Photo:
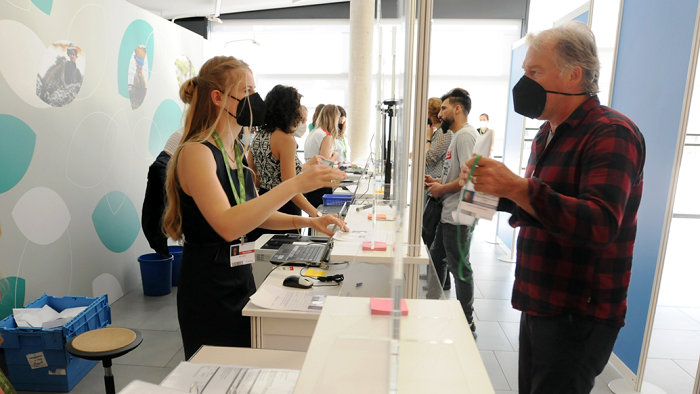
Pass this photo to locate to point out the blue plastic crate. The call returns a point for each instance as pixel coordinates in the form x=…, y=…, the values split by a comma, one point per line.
x=63, y=371
x=336, y=199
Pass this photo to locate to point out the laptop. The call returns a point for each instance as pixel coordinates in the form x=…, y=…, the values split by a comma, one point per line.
x=278, y=240
x=307, y=255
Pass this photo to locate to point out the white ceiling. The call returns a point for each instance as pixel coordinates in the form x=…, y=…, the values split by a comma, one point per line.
x=178, y=8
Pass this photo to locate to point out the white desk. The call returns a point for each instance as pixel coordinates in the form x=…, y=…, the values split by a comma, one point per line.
x=350, y=351
x=352, y=250
x=292, y=330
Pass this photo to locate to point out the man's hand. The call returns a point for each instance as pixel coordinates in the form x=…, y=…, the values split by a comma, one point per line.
x=494, y=178
x=429, y=179
x=435, y=188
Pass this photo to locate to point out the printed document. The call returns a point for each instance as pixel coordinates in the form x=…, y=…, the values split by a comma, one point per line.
x=230, y=379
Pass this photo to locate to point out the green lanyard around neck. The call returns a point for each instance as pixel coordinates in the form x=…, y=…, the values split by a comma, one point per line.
x=463, y=252
x=239, y=168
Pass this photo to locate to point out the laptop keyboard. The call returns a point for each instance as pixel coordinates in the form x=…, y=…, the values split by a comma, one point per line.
x=307, y=253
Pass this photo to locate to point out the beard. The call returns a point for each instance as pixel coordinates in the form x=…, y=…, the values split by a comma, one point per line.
x=446, y=124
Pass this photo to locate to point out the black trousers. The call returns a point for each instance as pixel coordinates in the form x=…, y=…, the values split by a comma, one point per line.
x=562, y=354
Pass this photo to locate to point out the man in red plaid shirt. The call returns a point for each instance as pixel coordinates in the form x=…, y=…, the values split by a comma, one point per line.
x=577, y=212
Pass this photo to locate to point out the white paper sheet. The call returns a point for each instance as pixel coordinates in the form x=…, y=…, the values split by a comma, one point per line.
x=33, y=317
x=272, y=297
x=64, y=317
x=388, y=237
x=140, y=387
x=45, y=317
x=230, y=379
x=475, y=204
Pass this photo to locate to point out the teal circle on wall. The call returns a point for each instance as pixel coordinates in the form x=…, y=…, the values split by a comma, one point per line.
x=44, y=5
x=166, y=121
x=138, y=33
x=17, y=142
x=116, y=221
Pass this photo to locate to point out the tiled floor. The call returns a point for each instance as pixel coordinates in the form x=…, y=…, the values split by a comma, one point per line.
x=673, y=354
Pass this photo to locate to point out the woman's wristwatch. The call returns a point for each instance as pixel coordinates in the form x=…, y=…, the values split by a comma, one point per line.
x=318, y=213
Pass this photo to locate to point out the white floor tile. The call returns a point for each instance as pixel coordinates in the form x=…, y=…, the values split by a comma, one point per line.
x=512, y=331
x=609, y=374
x=483, y=247
x=493, y=368
x=496, y=310
x=177, y=358
x=689, y=366
x=668, y=376
x=137, y=295
x=164, y=320
x=509, y=365
x=671, y=318
x=134, y=314
x=494, y=272
x=491, y=337
x=694, y=313
x=496, y=290
x=156, y=350
x=600, y=387
x=674, y=344
x=485, y=259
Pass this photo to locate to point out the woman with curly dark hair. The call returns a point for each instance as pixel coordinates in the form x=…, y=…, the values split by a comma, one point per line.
x=273, y=151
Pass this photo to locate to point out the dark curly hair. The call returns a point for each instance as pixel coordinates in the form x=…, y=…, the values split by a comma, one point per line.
x=283, y=109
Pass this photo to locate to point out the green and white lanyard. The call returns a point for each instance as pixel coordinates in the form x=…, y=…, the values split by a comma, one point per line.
x=239, y=167
x=462, y=252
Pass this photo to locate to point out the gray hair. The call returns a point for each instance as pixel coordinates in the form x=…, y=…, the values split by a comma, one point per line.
x=574, y=45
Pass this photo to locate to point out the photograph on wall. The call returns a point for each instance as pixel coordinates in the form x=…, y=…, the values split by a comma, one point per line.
x=61, y=74
x=184, y=69
x=138, y=75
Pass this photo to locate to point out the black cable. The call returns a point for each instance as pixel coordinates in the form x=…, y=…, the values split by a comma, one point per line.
x=285, y=263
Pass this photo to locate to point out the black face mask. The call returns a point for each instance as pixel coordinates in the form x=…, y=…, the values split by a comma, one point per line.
x=530, y=98
x=340, y=127
x=251, y=103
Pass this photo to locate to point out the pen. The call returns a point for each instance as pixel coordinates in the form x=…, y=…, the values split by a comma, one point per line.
x=358, y=284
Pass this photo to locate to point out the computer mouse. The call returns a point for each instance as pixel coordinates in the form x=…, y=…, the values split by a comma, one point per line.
x=298, y=282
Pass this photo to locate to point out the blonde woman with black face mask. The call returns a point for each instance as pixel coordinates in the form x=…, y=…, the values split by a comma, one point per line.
x=212, y=204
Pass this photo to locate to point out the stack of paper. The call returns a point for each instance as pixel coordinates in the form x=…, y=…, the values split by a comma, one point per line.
x=272, y=297
x=45, y=317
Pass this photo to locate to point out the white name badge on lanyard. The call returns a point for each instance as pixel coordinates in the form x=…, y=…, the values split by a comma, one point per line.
x=242, y=254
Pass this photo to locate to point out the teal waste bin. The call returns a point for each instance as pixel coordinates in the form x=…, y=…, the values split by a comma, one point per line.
x=156, y=274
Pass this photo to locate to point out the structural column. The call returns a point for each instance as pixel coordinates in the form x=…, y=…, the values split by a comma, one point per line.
x=360, y=76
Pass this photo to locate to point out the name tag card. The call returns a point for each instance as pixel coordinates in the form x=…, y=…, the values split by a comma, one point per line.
x=242, y=254
x=475, y=205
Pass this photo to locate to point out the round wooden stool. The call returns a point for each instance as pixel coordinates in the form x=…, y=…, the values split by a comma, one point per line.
x=105, y=344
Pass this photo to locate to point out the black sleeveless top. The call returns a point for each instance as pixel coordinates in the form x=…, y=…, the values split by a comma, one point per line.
x=195, y=227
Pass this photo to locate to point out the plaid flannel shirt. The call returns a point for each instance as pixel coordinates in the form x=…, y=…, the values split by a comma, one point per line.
x=585, y=187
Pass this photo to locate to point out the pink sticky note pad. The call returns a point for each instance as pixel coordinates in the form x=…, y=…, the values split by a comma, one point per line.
x=378, y=246
x=384, y=306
